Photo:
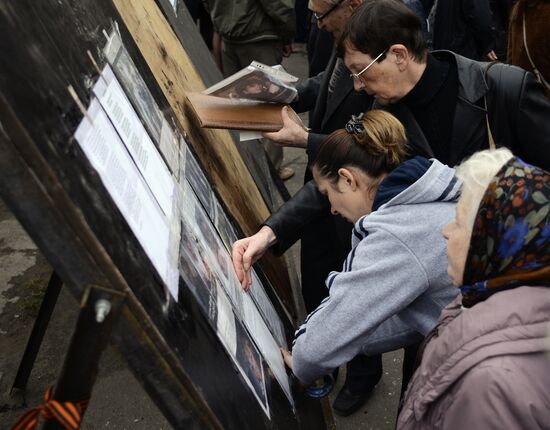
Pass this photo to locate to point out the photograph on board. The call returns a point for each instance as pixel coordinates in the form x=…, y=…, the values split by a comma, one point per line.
x=198, y=181
x=210, y=239
x=223, y=225
x=245, y=356
x=251, y=363
x=267, y=310
x=138, y=92
x=195, y=270
x=169, y=146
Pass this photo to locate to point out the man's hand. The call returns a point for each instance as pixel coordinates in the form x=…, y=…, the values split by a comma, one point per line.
x=292, y=133
x=491, y=56
x=287, y=50
x=287, y=357
x=248, y=250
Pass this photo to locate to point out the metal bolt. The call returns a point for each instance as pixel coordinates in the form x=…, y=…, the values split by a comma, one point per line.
x=102, y=309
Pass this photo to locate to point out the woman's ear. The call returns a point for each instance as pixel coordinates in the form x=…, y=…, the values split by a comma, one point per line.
x=348, y=177
x=401, y=54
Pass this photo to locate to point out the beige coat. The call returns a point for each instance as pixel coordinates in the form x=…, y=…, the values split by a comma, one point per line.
x=487, y=367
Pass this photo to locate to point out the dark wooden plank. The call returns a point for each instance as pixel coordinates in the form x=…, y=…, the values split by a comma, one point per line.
x=50, y=186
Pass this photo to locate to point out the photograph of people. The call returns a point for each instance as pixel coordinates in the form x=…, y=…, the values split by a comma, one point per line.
x=138, y=92
x=258, y=86
x=195, y=270
x=250, y=361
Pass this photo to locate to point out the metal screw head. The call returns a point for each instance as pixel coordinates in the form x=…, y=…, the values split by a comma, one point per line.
x=102, y=309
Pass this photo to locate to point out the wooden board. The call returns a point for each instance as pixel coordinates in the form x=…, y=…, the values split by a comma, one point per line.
x=53, y=190
x=273, y=190
x=176, y=74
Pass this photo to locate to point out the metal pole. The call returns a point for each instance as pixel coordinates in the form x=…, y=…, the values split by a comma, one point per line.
x=37, y=335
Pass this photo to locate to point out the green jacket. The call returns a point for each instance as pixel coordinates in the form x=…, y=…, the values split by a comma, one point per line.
x=246, y=21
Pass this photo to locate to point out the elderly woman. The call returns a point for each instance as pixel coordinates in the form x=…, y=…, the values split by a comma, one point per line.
x=486, y=365
x=393, y=284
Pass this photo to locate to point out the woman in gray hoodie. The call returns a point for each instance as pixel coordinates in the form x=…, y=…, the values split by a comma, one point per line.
x=394, y=283
x=487, y=364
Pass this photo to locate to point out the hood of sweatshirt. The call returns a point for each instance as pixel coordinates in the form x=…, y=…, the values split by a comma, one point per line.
x=415, y=181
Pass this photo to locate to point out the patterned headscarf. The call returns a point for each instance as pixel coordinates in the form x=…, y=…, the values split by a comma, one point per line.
x=510, y=243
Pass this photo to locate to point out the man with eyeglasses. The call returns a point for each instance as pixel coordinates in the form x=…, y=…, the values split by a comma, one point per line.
x=331, y=100
x=451, y=106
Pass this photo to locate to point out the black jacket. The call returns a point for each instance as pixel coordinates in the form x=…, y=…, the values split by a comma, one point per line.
x=322, y=253
x=519, y=116
x=329, y=114
x=464, y=27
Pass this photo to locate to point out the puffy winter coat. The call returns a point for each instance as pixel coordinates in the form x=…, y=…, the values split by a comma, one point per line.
x=485, y=367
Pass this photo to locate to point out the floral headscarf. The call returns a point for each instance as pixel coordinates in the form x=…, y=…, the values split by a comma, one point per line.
x=510, y=243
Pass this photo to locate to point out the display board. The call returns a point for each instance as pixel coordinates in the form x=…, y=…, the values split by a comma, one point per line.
x=106, y=170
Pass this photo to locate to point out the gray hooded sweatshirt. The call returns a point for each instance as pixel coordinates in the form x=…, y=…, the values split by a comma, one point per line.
x=394, y=282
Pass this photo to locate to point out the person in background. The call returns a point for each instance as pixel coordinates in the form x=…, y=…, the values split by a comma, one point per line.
x=417, y=8
x=393, y=284
x=487, y=364
x=200, y=16
x=320, y=46
x=331, y=101
x=500, y=11
x=255, y=30
x=464, y=27
x=302, y=25
x=528, y=41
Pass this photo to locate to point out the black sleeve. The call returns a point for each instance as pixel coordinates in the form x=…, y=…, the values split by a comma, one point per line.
x=479, y=19
x=533, y=124
x=306, y=206
x=520, y=113
x=308, y=91
x=314, y=141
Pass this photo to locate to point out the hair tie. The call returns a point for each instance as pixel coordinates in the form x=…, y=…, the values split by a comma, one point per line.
x=355, y=124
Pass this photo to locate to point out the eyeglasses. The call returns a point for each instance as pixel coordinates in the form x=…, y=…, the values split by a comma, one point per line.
x=358, y=75
x=320, y=17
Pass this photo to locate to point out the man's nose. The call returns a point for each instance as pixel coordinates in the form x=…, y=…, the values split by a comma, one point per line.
x=333, y=211
x=320, y=23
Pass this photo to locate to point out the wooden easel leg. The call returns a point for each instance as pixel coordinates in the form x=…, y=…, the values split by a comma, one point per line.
x=37, y=335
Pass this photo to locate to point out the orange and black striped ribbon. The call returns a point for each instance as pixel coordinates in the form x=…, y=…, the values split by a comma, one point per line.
x=68, y=414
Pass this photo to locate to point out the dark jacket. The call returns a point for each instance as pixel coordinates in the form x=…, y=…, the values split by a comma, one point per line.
x=249, y=21
x=464, y=27
x=518, y=115
x=329, y=113
x=500, y=10
x=322, y=253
